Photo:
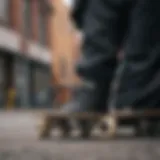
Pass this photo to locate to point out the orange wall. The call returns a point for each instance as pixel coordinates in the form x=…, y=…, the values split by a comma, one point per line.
x=63, y=46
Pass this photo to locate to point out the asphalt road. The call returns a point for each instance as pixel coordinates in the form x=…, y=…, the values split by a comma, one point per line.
x=18, y=141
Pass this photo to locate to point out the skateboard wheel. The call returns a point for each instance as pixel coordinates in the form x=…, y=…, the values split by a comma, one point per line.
x=145, y=128
x=85, y=133
x=86, y=128
x=45, y=128
x=109, y=126
x=65, y=133
x=65, y=128
x=153, y=129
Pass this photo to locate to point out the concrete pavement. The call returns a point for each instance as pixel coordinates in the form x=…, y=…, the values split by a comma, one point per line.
x=18, y=141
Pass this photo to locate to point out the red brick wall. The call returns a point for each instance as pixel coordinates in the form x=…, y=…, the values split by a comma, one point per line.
x=35, y=19
x=16, y=23
x=15, y=15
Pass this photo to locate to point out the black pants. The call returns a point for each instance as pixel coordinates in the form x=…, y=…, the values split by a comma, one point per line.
x=133, y=26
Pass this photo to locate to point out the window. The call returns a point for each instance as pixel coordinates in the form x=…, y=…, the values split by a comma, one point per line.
x=27, y=17
x=42, y=84
x=4, y=10
x=42, y=23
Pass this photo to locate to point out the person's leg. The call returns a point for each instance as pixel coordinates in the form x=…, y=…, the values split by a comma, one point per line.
x=138, y=77
x=139, y=74
x=104, y=28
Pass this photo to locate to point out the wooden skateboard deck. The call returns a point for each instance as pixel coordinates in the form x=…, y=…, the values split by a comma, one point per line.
x=108, y=123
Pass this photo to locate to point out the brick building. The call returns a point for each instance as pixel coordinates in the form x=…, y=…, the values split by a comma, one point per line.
x=25, y=53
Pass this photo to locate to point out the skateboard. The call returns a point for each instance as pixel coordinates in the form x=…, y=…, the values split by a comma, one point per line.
x=64, y=122
x=145, y=123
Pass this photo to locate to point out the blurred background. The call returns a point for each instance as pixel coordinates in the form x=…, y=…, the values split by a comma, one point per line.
x=26, y=50
x=38, y=50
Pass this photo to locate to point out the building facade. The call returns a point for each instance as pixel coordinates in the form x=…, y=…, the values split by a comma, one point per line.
x=25, y=54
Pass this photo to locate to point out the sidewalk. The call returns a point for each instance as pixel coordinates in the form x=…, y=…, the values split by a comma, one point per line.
x=19, y=123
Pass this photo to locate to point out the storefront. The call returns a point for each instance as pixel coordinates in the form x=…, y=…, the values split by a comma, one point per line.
x=41, y=87
x=6, y=77
x=31, y=82
x=22, y=82
x=28, y=80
